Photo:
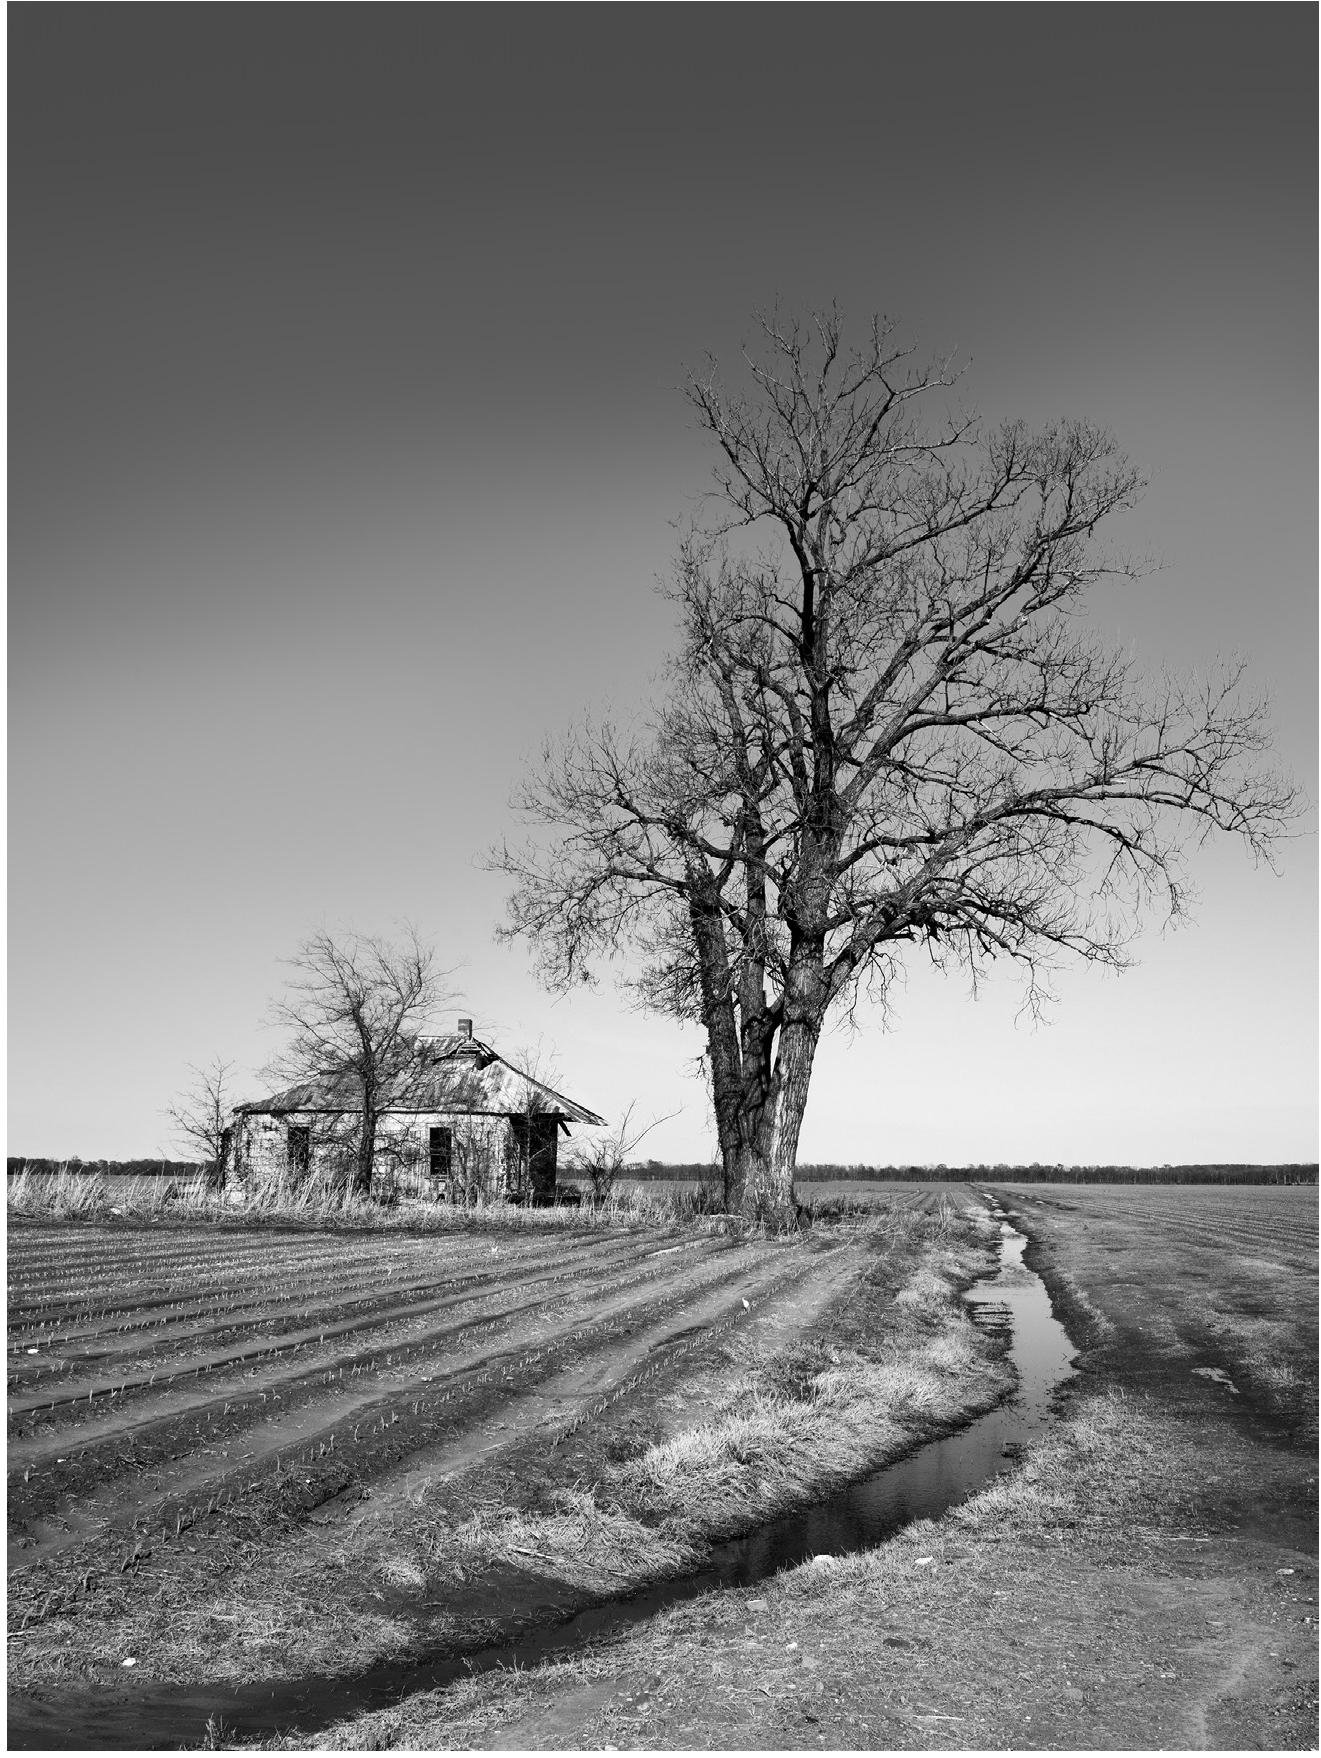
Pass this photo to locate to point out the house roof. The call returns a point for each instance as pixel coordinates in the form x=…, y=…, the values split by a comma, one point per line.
x=450, y=1074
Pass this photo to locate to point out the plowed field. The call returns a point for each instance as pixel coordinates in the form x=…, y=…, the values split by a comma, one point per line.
x=157, y=1378
x=240, y=1453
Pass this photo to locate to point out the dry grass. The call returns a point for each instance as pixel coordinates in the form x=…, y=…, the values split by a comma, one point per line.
x=88, y=1196
x=797, y=1427
x=241, y=1634
x=582, y=1542
x=68, y=1196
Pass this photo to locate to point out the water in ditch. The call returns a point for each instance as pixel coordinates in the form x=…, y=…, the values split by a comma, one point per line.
x=932, y=1480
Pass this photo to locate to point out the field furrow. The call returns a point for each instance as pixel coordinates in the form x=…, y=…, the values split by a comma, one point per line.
x=145, y=1428
x=266, y=1317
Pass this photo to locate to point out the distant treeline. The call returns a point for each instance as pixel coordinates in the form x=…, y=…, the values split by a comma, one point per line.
x=108, y=1168
x=1034, y=1174
x=658, y=1172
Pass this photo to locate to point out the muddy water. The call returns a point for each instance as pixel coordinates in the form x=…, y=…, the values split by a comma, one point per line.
x=925, y=1485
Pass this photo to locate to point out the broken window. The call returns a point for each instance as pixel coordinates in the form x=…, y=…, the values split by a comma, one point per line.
x=299, y=1148
x=442, y=1153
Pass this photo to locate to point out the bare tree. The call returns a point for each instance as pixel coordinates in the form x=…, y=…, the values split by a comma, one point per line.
x=887, y=725
x=479, y=1153
x=353, y=1010
x=603, y=1160
x=201, y=1116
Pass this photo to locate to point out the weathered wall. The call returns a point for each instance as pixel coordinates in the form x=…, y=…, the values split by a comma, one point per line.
x=485, y=1153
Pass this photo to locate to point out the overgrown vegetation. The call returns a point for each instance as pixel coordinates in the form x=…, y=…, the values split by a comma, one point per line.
x=68, y=1195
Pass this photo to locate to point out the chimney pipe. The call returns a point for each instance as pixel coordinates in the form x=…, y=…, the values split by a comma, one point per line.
x=465, y=1028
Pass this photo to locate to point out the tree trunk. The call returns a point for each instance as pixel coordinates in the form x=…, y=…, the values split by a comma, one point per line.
x=708, y=930
x=366, y=1158
x=769, y=1195
x=794, y=1072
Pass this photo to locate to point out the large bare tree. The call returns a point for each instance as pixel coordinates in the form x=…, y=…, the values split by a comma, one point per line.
x=887, y=722
x=353, y=1008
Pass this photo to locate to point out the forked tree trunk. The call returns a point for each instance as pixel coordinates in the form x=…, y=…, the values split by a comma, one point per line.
x=759, y=1080
x=770, y=1119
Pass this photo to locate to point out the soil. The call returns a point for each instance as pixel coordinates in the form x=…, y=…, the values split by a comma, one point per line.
x=1148, y=1578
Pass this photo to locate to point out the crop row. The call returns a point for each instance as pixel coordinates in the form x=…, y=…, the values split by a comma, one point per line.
x=250, y=1319
x=396, y=1336
x=1285, y=1235
x=135, y=1246
x=171, y=1320
x=298, y=1379
x=286, y=1289
x=134, y=1279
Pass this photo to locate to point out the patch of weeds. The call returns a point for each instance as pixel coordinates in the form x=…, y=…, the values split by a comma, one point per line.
x=401, y=1572
x=581, y=1541
x=620, y=1448
x=793, y=1375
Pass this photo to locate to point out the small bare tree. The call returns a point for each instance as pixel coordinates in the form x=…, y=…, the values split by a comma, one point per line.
x=201, y=1116
x=353, y=1009
x=476, y=1162
x=604, y=1160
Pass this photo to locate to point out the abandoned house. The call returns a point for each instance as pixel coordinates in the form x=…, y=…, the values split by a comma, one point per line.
x=456, y=1122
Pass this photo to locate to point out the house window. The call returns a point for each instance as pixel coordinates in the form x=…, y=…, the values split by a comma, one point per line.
x=442, y=1153
x=299, y=1148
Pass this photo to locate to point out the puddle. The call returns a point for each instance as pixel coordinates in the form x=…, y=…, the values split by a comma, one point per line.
x=934, y=1479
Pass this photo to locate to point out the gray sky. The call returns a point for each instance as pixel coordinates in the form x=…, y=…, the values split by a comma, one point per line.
x=345, y=451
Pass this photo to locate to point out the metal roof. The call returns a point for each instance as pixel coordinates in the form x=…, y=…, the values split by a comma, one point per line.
x=448, y=1074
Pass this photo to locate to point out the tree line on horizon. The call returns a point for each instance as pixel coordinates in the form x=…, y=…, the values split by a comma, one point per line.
x=660, y=1171
x=1285, y=1173
x=156, y=1167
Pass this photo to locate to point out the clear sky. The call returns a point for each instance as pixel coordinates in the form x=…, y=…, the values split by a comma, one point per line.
x=345, y=451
